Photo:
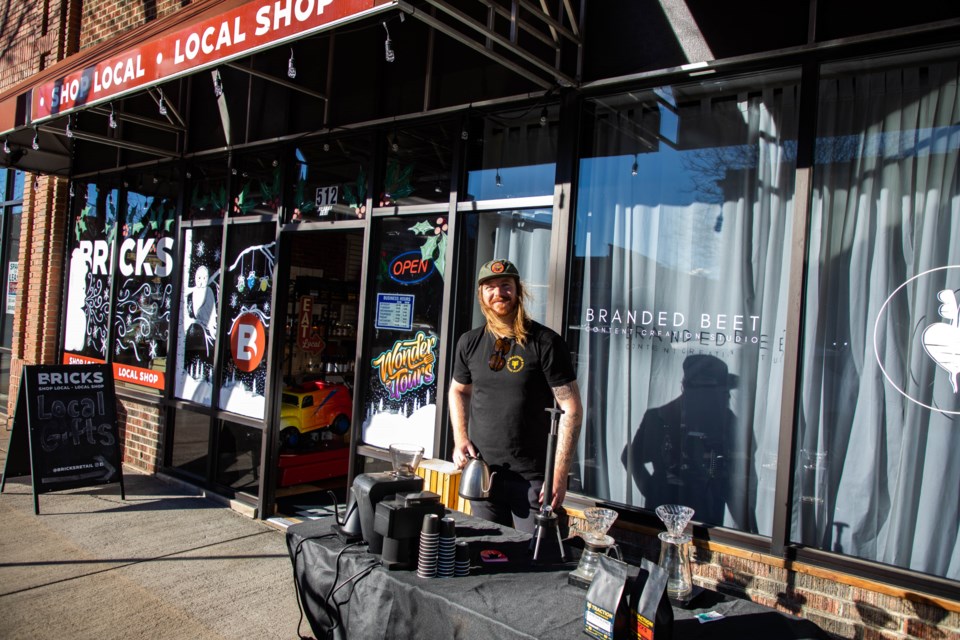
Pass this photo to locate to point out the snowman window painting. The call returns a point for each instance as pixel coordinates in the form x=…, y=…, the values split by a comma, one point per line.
x=86, y=323
x=247, y=276
x=199, y=321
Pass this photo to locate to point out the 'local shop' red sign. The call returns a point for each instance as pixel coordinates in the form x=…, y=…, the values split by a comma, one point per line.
x=241, y=31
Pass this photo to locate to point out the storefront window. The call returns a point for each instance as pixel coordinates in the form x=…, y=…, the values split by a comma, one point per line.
x=10, y=224
x=87, y=317
x=678, y=296
x=247, y=287
x=199, y=309
x=331, y=180
x=256, y=184
x=191, y=442
x=519, y=235
x=144, y=296
x=207, y=184
x=400, y=400
x=238, y=456
x=418, y=165
x=513, y=155
x=11, y=213
x=876, y=472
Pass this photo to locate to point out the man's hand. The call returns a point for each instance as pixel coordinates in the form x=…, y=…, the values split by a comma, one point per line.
x=462, y=452
x=559, y=492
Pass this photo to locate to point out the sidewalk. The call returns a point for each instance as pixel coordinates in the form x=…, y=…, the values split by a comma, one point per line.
x=164, y=563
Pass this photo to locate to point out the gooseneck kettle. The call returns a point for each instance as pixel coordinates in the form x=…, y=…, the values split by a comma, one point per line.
x=476, y=479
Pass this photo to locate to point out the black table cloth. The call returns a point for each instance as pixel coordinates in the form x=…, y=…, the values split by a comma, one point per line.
x=345, y=593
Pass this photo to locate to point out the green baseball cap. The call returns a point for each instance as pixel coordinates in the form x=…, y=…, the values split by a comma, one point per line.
x=497, y=269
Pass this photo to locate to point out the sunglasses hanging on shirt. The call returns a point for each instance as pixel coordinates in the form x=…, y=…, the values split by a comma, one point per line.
x=499, y=358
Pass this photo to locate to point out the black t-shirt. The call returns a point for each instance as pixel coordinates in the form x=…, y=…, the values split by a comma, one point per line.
x=508, y=423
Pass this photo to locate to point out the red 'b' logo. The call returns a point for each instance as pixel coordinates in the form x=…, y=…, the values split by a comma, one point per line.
x=247, y=342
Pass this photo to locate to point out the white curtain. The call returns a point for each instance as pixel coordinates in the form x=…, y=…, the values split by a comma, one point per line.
x=522, y=237
x=698, y=239
x=879, y=454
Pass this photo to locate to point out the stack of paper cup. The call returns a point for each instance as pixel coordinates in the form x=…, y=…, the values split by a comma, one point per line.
x=462, y=566
x=429, y=546
x=448, y=548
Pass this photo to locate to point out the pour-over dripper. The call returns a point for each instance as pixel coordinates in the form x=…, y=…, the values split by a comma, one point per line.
x=406, y=458
x=674, y=556
x=599, y=521
x=596, y=543
x=676, y=517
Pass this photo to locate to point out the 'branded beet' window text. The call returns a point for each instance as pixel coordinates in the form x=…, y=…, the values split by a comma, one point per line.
x=678, y=296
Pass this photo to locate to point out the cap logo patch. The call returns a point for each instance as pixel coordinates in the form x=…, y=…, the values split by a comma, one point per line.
x=497, y=267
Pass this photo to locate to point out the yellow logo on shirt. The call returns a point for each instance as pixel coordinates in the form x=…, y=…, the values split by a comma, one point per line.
x=514, y=364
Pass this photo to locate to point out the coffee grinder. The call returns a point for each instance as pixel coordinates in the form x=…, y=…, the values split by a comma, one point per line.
x=370, y=488
x=596, y=543
x=399, y=521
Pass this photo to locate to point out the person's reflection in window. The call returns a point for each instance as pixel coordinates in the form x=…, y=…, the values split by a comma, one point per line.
x=681, y=452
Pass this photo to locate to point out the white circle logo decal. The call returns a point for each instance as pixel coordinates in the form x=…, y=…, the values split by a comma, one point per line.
x=939, y=336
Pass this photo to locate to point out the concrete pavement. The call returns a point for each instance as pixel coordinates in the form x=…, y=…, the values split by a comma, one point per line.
x=166, y=562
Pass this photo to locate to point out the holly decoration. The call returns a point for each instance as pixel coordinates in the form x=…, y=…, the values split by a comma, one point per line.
x=271, y=190
x=397, y=183
x=216, y=199
x=356, y=195
x=81, y=225
x=434, y=246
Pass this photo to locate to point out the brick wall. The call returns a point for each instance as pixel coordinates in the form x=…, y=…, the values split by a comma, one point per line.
x=844, y=606
x=104, y=19
x=141, y=432
x=29, y=39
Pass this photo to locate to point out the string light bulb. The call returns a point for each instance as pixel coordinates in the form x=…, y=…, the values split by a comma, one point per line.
x=543, y=117
x=162, y=106
x=291, y=66
x=499, y=181
x=36, y=140
x=71, y=189
x=217, y=84
x=113, y=119
x=68, y=130
x=388, y=46
x=635, y=169
x=6, y=146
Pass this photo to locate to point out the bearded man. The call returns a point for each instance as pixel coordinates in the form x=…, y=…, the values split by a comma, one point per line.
x=506, y=374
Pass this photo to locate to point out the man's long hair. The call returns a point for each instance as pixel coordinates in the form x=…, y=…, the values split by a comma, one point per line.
x=521, y=320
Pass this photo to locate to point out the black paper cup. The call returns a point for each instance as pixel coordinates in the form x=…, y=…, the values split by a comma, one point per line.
x=448, y=528
x=431, y=523
x=463, y=551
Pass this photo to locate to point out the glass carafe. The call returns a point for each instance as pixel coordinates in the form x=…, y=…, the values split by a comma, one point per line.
x=674, y=550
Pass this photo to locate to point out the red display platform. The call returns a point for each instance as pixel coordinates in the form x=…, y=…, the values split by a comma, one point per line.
x=311, y=466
